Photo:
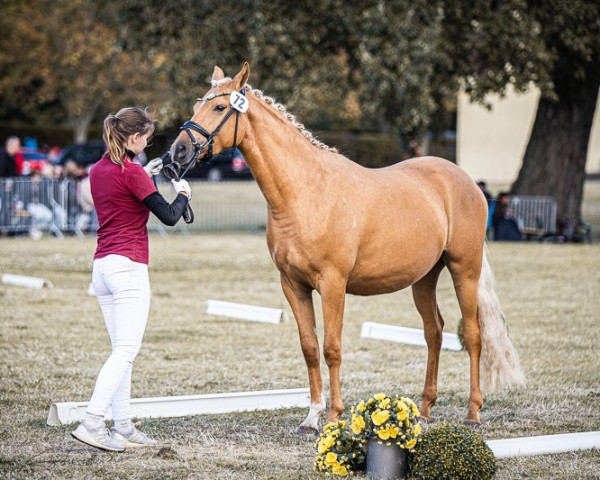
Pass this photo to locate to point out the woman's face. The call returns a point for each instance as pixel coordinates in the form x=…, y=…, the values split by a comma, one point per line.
x=138, y=142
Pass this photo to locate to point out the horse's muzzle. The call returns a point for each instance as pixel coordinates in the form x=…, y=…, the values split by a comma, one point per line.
x=182, y=153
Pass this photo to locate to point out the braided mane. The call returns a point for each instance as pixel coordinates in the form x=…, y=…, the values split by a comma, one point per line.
x=281, y=109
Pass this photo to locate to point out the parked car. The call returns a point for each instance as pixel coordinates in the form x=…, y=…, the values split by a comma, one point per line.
x=31, y=161
x=227, y=165
x=83, y=154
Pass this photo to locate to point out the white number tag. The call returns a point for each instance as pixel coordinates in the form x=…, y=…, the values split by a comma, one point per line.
x=239, y=102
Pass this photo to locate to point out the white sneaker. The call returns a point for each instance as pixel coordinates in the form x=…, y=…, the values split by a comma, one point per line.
x=133, y=439
x=98, y=438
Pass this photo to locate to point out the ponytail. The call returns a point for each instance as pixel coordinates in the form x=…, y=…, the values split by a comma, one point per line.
x=120, y=126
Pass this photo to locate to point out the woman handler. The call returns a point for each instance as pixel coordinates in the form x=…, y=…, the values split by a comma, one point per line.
x=124, y=195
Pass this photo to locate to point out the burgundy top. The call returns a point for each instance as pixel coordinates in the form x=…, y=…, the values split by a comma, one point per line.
x=122, y=215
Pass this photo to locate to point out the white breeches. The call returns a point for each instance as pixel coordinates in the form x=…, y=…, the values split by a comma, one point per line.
x=123, y=291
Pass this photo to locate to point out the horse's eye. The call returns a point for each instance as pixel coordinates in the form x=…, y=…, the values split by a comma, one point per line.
x=220, y=108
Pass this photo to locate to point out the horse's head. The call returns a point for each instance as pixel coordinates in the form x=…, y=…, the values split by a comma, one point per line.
x=217, y=121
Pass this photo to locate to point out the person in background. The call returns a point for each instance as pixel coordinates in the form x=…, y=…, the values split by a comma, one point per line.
x=9, y=167
x=9, y=162
x=505, y=225
x=123, y=195
x=490, y=203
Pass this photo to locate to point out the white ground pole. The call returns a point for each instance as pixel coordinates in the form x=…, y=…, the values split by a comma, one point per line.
x=23, y=281
x=245, y=312
x=181, y=406
x=410, y=336
x=526, y=446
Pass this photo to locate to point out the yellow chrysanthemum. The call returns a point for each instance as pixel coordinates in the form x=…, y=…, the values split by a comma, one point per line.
x=339, y=470
x=325, y=444
x=386, y=433
x=379, y=396
x=417, y=429
x=385, y=403
x=411, y=443
x=358, y=424
x=380, y=416
x=402, y=415
x=415, y=411
x=331, y=458
x=328, y=427
x=361, y=407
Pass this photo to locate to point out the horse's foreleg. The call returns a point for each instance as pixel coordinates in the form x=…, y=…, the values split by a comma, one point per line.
x=424, y=295
x=333, y=295
x=301, y=303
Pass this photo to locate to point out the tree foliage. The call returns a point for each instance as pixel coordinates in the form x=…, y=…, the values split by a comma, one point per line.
x=555, y=158
x=334, y=63
x=66, y=60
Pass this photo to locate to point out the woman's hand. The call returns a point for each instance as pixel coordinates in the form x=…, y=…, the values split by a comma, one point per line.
x=153, y=167
x=182, y=186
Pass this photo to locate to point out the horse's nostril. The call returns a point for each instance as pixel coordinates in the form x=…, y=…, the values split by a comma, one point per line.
x=180, y=151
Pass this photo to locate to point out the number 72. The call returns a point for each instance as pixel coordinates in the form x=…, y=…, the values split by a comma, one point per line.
x=239, y=102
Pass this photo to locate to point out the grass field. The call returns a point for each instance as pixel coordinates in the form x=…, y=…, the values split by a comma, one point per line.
x=52, y=343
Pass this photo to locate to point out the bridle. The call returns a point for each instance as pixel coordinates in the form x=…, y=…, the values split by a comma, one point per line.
x=172, y=170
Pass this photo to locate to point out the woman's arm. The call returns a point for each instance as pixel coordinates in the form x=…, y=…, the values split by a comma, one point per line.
x=167, y=214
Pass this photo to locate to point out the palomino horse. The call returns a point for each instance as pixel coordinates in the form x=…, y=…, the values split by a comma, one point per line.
x=337, y=228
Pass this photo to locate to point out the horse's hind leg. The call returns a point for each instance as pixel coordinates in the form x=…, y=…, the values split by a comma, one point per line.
x=300, y=300
x=424, y=295
x=465, y=271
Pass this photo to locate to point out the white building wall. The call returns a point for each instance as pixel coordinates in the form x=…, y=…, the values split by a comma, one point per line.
x=491, y=143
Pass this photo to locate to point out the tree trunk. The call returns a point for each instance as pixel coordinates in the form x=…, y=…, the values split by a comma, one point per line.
x=81, y=127
x=554, y=161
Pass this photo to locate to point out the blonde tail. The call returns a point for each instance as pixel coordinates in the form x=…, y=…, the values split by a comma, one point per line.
x=499, y=359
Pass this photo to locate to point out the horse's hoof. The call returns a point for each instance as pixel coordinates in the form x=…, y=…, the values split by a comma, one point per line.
x=426, y=420
x=471, y=424
x=304, y=430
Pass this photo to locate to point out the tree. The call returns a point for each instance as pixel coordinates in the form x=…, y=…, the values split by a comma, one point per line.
x=555, y=158
x=554, y=46
x=68, y=55
x=294, y=50
x=397, y=56
x=403, y=59
x=413, y=55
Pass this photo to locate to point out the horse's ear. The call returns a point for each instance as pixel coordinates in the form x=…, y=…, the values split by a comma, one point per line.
x=217, y=74
x=242, y=77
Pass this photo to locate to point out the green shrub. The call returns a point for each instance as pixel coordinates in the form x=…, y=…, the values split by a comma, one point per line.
x=451, y=452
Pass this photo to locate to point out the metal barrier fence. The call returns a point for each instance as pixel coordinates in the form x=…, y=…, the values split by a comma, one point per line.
x=237, y=205
x=59, y=206
x=535, y=215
